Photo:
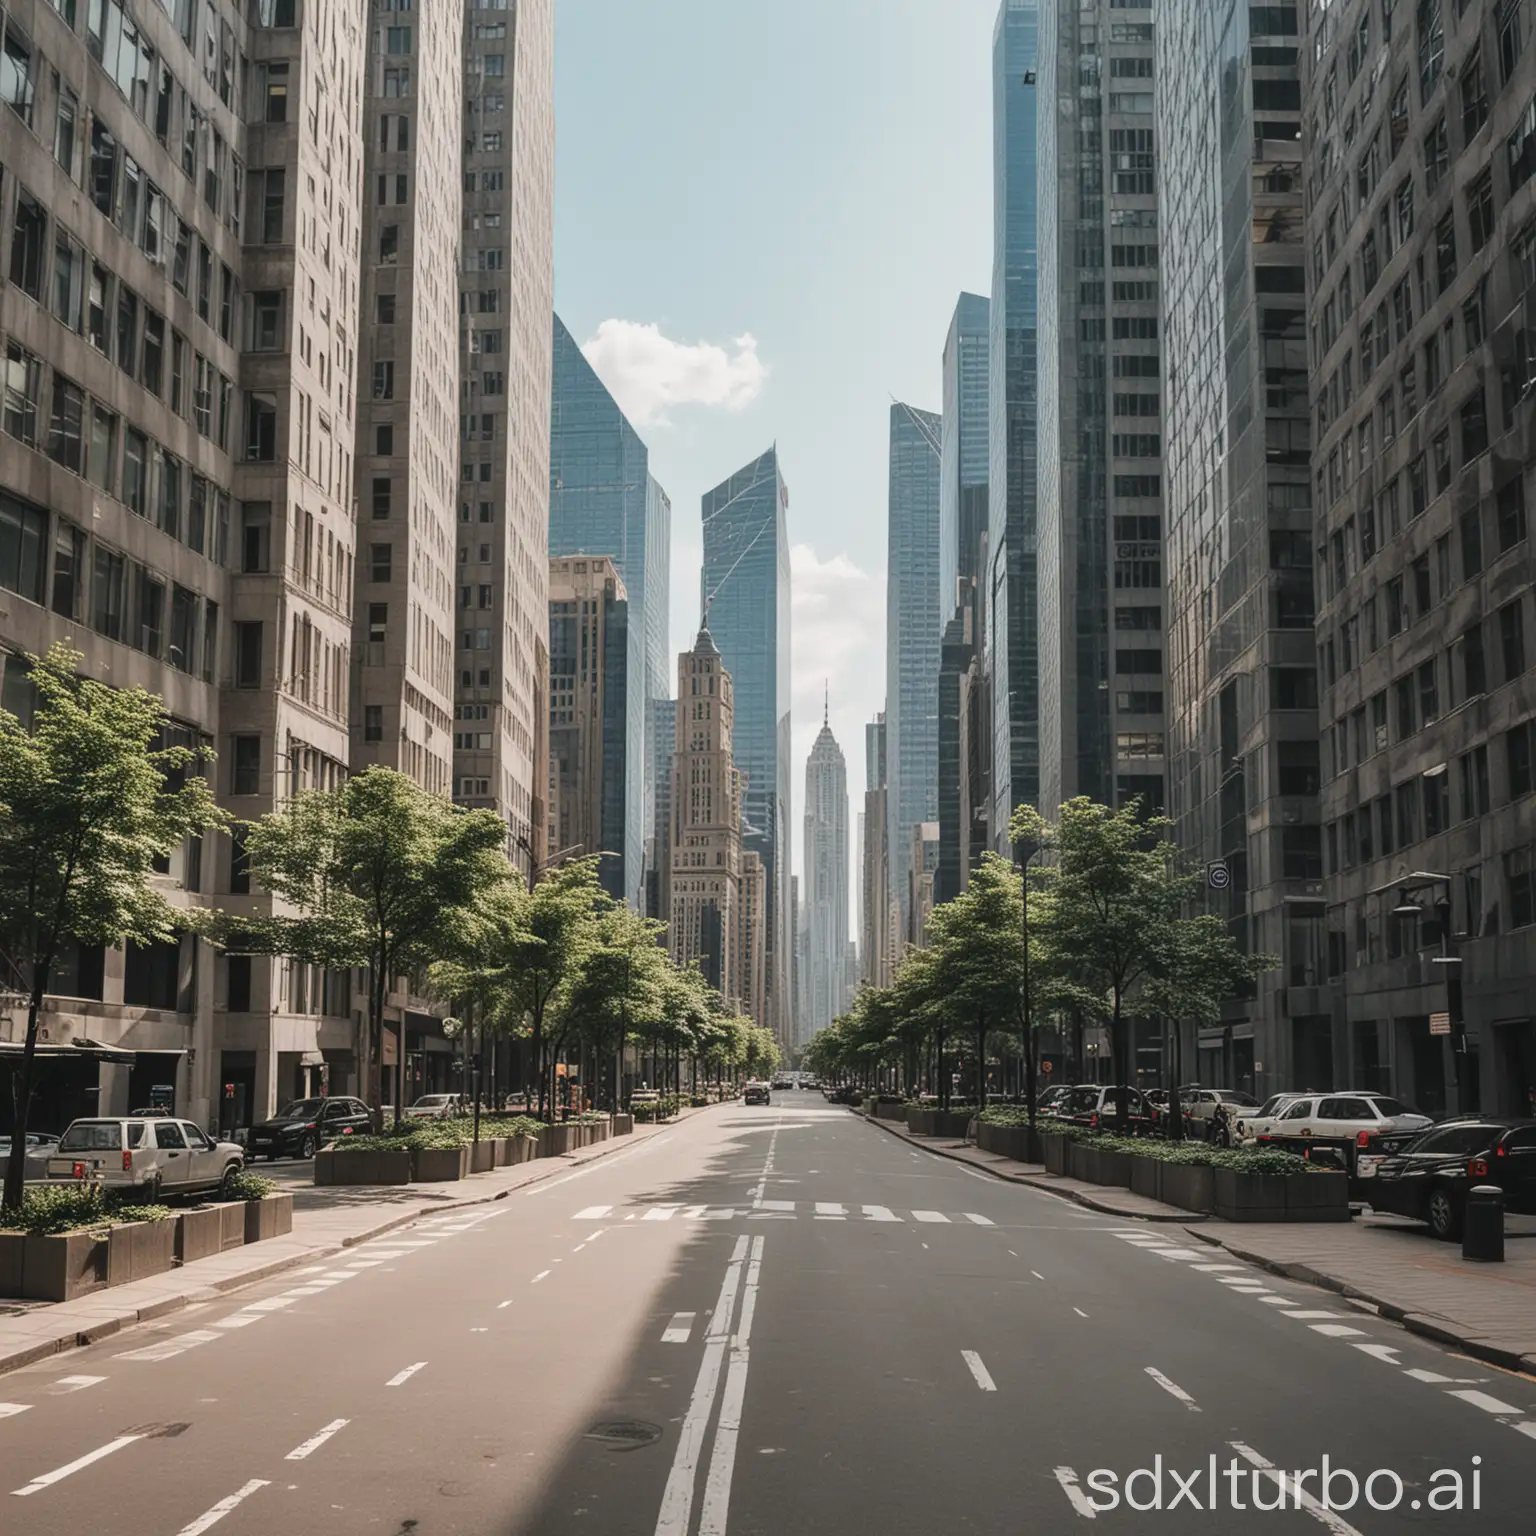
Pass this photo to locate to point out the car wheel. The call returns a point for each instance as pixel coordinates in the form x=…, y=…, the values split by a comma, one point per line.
x=307, y=1146
x=1443, y=1215
x=225, y=1178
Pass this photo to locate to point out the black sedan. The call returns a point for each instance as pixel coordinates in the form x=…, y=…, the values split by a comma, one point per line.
x=306, y=1125
x=1428, y=1178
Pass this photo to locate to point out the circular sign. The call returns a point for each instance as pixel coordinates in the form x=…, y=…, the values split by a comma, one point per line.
x=1047, y=1068
x=1218, y=876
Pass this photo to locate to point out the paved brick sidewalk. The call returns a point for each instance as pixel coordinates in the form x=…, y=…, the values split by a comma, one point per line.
x=34, y=1330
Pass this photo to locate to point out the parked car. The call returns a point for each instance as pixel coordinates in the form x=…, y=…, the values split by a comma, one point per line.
x=1048, y=1102
x=40, y=1147
x=1200, y=1103
x=846, y=1094
x=782, y=1084
x=757, y=1093
x=307, y=1124
x=1255, y=1122
x=1428, y=1178
x=436, y=1106
x=1098, y=1107
x=158, y=1156
x=1365, y=1125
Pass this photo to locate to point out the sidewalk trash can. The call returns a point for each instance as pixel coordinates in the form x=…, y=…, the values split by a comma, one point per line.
x=1482, y=1232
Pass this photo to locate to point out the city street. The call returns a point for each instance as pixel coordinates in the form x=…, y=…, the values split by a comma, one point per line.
x=778, y=1320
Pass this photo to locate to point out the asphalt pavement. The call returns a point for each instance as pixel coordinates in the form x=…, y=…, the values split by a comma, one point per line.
x=773, y=1320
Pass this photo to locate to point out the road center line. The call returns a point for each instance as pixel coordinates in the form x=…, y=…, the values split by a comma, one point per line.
x=401, y=1377
x=1079, y=1311
x=1080, y=1501
x=978, y=1370
x=313, y=1444
x=722, y=1463
x=48, y=1479
x=542, y=1274
x=679, y=1329
x=1173, y=1389
x=10, y=1410
x=1335, y=1523
x=222, y=1508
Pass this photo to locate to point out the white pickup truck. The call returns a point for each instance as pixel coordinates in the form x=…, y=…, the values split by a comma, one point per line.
x=157, y=1154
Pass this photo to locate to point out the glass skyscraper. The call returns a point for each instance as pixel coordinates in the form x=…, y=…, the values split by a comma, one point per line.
x=965, y=450
x=912, y=633
x=604, y=501
x=745, y=589
x=1012, y=656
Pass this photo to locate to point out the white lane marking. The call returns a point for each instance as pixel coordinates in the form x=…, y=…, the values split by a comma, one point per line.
x=1173, y=1389
x=400, y=1378
x=313, y=1444
x=1036, y=1273
x=692, y=1212
x=340, y=1274
x=1271, y=1300
x=1238, y=1280
x=774, y=1205
x=722, y=1461
x=880, y=1213
x=501, y=1306
x=978, y=1370
x=1336, y=1524
x=972, y=1172
x=1484, y=1401
x=676, y=1514
x=1080, y=1501
x=10, y=1410
x=830, y=1208
x=1381, y=1352
x=542, y=1274
x=238, y=1320
x=930, y=1216
x=1217, y=1269
x=1336, y=1330
x=222, y=1508
x=48, y=1479
x=271, y=1304
x=1526, y=1427
x=661, y=1213
x=307, y=1290
x=364, y=1263
x=679, y=1329
x=1079, y=1311
x=67, y=1384
x=168, y=1348
x=1315, y=1316
x=978, y=1221
x=1182, y=1253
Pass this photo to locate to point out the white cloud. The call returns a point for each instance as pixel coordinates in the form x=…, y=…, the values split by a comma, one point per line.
x=649, y=373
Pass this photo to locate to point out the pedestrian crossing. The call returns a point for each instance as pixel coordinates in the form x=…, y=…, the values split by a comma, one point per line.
x=782, y=1210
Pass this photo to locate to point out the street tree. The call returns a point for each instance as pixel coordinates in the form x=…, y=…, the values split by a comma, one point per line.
x=380, y=874
x=90, y=800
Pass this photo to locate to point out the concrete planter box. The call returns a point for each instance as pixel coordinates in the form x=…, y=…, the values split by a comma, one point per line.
x=522, y=1149
x=231, y=1225
x=623, y=1125
x=138, y=1249
x=1187, y=1186
x=890, y=1109
x=200, y=1233
x=601, y=1131
x=64, y=1267
x=347, y=1167
x=1147, y=1177
x=937, y=1122
x=1317, y=1197
x=1008, y=1141
x=1083, y=1162
x=1054, y=1151
x=482, y=1156
x=12, y=1247
x=557, y=1140
x=439, y=1165
x=271, y=1216
x=1251, y=1196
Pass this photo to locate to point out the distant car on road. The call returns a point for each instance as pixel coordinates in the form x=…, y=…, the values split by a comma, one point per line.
x=757, y=1093
x=158, y=1156
x=305, y=1126
x=1429, y=1178
x=436, y=1106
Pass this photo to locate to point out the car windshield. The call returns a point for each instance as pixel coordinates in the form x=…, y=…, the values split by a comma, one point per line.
x=1273, y=1103
x=302, y=1109
x=432, y=1101
x=1227, y=1096
x=1392, y=1107
x=95, y=1136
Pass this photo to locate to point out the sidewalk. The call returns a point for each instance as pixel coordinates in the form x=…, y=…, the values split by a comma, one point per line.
x=1487, y=1311
x=33, y=1330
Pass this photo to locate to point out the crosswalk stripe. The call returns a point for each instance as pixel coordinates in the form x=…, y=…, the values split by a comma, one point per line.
x=678, y=1330
x=880, y=1213
x=778, y=1205
x=661, y=1213
x=980, y=1221
x=930, y=1216
x=593, y=1213
x=170, y=1347
x=10, y=1410
x=830, y=1208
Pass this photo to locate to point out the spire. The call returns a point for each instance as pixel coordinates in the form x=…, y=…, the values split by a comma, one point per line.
x=826, y=704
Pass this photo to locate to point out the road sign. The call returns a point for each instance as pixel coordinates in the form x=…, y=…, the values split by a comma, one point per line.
x=1439, y=1023
x=1218, y=876
x=1047, y=1068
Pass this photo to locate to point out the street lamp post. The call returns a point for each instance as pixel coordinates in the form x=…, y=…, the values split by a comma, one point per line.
x=1450, y=962
x=1023, y=851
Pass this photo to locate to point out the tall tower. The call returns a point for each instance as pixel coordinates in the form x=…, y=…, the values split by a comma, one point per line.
x=603, y=500
x=745, y=584
x=706, y=820
x=506, y=300
x=1010, y=576
x=912, y=635
x=826, y=883
x=875, y=882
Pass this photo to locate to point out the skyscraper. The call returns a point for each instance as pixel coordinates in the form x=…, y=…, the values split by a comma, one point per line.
x=1102, y=693
x=1242, y=662
x=604, y=501
x=874, y=876
x=1011, y=599
x=745, y=590
x=912, y=633
x=964, y=745
x=591, y=802
x=826, y=883
x=506, y=288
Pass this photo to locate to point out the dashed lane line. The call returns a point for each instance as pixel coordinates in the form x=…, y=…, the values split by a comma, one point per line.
x=978, y=1370
x=1079, y=1500
x=1326, y=1517
x=212, y=1516
x=315, y=1441
x=48, y=1479
x=400, y=1378
x=1173, y=1389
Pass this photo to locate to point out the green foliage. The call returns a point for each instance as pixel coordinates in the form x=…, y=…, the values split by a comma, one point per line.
x=1196, y=1154
x=440, y=1135
x=46, y=1210
x=656, y=1110
x=246, y=1185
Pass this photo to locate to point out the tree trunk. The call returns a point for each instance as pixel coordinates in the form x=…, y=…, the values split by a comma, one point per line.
x=1175, y=1111
x=1121, y=1067
x=21, y=1090
x=981, y=1065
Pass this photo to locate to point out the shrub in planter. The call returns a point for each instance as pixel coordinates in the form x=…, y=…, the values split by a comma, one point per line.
x=1250, y=1196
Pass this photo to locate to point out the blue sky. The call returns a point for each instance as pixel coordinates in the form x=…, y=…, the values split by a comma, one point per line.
x=813, y=176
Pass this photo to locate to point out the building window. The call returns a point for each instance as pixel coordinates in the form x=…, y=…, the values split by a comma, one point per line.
x=261, y=427
x=1520, y=873
x=384, y=308
x=381, y=561
x=384, y=439
x=373, y=722
x=1520, y=147
x=266, y=322
x=1512, y=639
x=381, y=497
x=384, y=381
x=245, y=775
x=1474, y=783
x=378, y=623
x=107, y=593
x=23, y=384
x=256, y=536
x=1511, y=514
x=248, y=653
x=1474, y=426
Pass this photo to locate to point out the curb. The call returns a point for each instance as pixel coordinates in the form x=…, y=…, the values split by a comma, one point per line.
x=1439, y=1330
x=1076, y=1196
x=105, y=1327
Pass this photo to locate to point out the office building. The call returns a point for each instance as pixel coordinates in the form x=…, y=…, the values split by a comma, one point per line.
x=661, y=716
x=826, y=884
x=506, y=301
x=912, y=634
x=590, y=793
x=603, y=500
x=922, y=863
x=875, y=948
x=1011, y=660
x=1103, y=730
x=1421, y=271
x=179, y=317
x=745, y=589
x=751, y=938
x=1240, y=660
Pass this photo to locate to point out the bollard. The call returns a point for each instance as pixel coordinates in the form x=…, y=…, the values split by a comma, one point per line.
x=1482, y=1233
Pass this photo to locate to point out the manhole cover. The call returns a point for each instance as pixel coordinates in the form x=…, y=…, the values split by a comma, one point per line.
x=625, y=1434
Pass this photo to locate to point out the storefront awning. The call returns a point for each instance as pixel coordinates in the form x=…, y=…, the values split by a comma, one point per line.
x=76, y=1050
